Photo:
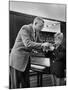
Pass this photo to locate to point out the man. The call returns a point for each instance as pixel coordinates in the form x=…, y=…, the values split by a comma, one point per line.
x=19, y=58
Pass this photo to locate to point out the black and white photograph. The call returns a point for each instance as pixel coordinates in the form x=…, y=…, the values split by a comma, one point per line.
x=37, y=44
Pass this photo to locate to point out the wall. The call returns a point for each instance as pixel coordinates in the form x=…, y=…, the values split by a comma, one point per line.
x=16, y=20
x=52, y=11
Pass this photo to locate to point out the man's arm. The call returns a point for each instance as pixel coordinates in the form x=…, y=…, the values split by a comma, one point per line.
x=27, y=41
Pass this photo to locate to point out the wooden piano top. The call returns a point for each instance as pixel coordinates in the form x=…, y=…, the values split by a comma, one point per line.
x=40, y=59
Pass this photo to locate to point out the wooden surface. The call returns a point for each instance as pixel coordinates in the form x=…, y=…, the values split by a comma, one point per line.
x=41, y=61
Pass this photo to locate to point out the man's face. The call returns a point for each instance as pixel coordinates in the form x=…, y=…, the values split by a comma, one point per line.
x=39, y=26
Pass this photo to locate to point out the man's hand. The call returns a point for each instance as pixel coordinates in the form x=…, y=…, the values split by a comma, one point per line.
x=47, y=47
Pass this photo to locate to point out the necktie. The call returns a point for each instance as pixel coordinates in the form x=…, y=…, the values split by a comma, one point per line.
x=36, y=36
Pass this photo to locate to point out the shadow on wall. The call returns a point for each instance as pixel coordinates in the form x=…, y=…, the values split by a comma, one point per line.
x=16, y=22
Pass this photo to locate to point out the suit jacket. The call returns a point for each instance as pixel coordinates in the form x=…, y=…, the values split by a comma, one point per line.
x=22, y=48
x=58, y=61
x=59, y=53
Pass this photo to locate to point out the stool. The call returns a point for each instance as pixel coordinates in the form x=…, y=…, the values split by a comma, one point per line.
x=39, y=69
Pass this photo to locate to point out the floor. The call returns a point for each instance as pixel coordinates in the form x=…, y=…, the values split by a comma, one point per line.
x=46, y=81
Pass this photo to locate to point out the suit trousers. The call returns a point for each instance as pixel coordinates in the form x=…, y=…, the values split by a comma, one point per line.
x=19, y=79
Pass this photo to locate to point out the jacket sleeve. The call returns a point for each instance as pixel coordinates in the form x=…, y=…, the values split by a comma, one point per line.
x=28, y=42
